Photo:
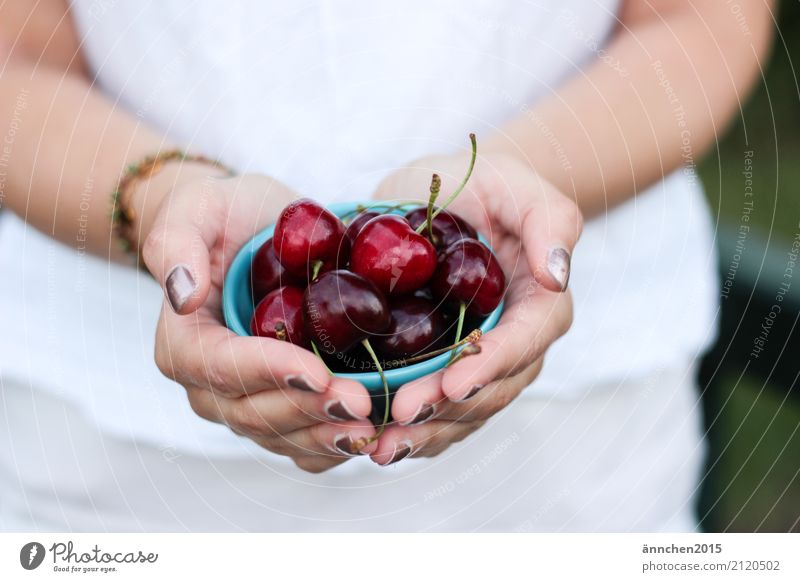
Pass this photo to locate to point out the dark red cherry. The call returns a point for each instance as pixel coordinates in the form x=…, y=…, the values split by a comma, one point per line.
x=358, y=223
x=306, y=233
x=447, y=227
x=267, y=273
x=389, y=253
x=415, y=328
x=469, y=273
x=341, y=308
x=279, y=316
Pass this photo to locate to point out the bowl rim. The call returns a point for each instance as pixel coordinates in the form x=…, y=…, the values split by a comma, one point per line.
x=371, y=380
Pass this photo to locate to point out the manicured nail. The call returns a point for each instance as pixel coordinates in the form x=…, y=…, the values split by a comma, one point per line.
x=344, y=444
x=300, y=382
x=401, y=451
x=472, y=392
x=558, y=266
x=180, y=287
x=424, y=413
x=338, y=410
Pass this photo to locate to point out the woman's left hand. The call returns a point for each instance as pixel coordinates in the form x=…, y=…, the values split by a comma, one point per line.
x=532, y=229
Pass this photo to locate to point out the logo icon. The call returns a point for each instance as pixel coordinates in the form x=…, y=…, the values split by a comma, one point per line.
x=31, y=555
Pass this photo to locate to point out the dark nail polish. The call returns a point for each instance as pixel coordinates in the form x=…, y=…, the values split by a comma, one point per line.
x=180, y=287
x=425, y=412
x=558, y=261
x=401, y=451
x=345, y=445
x=338, y=410
x=472, y=392
x=300, y=383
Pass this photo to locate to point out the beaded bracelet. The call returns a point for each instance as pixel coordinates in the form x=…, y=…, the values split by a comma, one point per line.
x=122, y=215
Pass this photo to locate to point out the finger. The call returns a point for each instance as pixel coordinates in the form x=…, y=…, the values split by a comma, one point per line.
x=199, y=351
x=533, y=320
x=176, y=251
x=418, y=401
x=484, y=403
x=273, y=413
x=330, y=441
x=400, y=442
x=547, y=222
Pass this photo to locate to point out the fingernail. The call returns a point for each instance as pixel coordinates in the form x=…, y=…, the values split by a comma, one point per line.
x=401, y=451
x=300, y=382
x=180, y=287
x=344, y=444
x=424, y=413
x=558, y=266
x=338, y=410
x=472, y=392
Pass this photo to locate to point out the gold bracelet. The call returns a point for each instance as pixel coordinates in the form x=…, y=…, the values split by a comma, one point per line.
x=122, y=215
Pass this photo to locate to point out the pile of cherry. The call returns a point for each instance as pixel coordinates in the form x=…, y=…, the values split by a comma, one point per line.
x=382, y=289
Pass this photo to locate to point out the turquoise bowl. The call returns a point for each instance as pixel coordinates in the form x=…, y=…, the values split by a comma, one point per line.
x=237, y=305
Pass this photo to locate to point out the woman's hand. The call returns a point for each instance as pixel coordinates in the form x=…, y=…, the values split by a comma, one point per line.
x=277, y=394
x=532, y=228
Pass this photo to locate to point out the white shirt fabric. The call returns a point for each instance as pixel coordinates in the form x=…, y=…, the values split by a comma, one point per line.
x=329, y=97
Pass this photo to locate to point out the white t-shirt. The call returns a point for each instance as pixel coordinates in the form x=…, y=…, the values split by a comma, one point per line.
x=329, y=97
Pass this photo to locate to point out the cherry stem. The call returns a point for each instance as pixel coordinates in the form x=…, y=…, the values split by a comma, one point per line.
x=472, y=338
x=376, y=361
x=462, y=311
x=280, y=331
x=469, y=350
x=316, y=266
x=436, y=185
x=461, y=186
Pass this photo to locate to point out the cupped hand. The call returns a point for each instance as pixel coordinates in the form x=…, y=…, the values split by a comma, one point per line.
x=532, y=229
x=277, y=394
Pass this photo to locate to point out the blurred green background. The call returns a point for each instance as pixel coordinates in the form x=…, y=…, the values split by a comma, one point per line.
x=752, y=404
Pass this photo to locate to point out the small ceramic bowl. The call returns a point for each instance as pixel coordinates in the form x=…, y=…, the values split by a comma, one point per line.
x=237, y=304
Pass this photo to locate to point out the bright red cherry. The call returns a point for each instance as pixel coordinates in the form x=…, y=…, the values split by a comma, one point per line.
x=447, y=227
x=279, y=316
x=469, y=273
x=389, y=253
x=415, y=329
x=340, y=309
x=267, y=273
x=307, y=233
x=358, y=223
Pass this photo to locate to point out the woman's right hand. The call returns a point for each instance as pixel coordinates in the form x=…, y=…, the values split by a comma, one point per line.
x=277, y=394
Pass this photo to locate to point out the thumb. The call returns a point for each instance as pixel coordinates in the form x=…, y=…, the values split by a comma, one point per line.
x=176, y=251
x=547, y=223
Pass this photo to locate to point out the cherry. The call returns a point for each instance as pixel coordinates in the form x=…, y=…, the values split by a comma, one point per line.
x=279, y=316
x=447, y=227
x=416, y=326
x=358, y=223
x=267, y=273
x=309, y=239
x=341, y=309
x=389, y=253
x=468, y=273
